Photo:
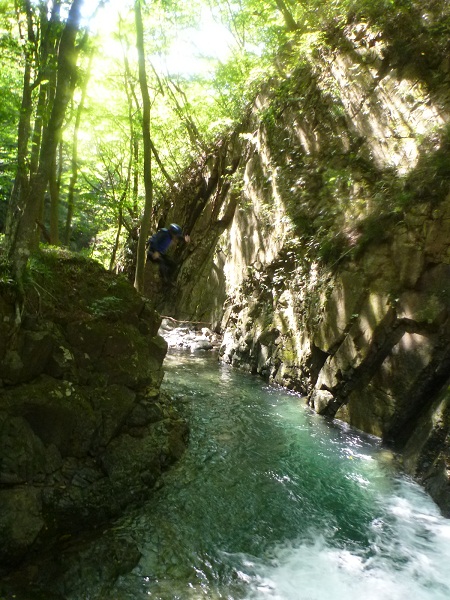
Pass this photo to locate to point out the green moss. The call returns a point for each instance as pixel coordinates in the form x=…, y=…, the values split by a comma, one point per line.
x=58, y=282
x=288, y=356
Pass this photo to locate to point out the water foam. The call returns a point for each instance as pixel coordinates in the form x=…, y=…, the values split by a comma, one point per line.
x=407, y=560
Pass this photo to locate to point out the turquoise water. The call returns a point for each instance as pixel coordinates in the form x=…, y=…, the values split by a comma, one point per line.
x=270, y=501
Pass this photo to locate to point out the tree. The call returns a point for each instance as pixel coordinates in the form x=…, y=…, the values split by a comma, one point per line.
x=187, y=113
x=148, y=183
x=74, y=159
x=291, y=24
x=30, y=187
x=10, y=94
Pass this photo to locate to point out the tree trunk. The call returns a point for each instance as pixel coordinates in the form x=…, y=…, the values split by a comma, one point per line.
x=19, y=248
x=135, y=177
x=112, y=260
x=187, y=120
x=54, y=188
x=134, y=142
x=122, y=199
x=131, y=93
x=74, y=176
x=21, y=182
x=37, y=131
x=291, y=23
x=148, y=184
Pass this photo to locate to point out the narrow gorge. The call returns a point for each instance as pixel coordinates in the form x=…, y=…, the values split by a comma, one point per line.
x=321, y=233
x=320, y=252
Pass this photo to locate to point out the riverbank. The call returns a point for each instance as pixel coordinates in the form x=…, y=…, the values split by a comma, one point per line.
x=268, y=499
x=84, y=429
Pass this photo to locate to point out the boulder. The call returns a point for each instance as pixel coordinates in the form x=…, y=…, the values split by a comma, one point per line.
x=84, y=429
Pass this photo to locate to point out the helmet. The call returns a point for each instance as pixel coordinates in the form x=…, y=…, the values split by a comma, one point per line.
x=175, y=229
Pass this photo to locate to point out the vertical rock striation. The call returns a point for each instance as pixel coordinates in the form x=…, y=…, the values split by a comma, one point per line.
x=335, y=267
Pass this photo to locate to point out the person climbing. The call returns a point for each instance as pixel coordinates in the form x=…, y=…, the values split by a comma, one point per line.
x=158, y=245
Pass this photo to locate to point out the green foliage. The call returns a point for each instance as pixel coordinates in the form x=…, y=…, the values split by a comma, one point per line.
x=101, y=248
x=36, y=267
x=106, y=307
x=190, y=110
x=253, y=23
x=59, y=281
x=6, y=275
x=236, y=83
x=10, y=83
x=430, y=179
x=337, y=199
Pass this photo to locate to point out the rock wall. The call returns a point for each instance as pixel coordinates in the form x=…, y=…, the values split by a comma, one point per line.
x=204, y=205
x=84, y=429
x=368, y=344
x=352, y=311
x=335, y=268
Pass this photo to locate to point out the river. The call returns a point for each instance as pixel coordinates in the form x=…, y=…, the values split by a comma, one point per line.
x=270, y=501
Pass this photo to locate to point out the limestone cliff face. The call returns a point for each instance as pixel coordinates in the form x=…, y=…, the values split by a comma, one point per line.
x=335, y=266
x=84, y=429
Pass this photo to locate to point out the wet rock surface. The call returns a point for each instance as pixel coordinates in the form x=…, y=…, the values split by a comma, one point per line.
x=367, y=344
x=332, y=277
x=191, y=337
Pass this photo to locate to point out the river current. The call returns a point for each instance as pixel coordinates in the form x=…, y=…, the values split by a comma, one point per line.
x=271, y=501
